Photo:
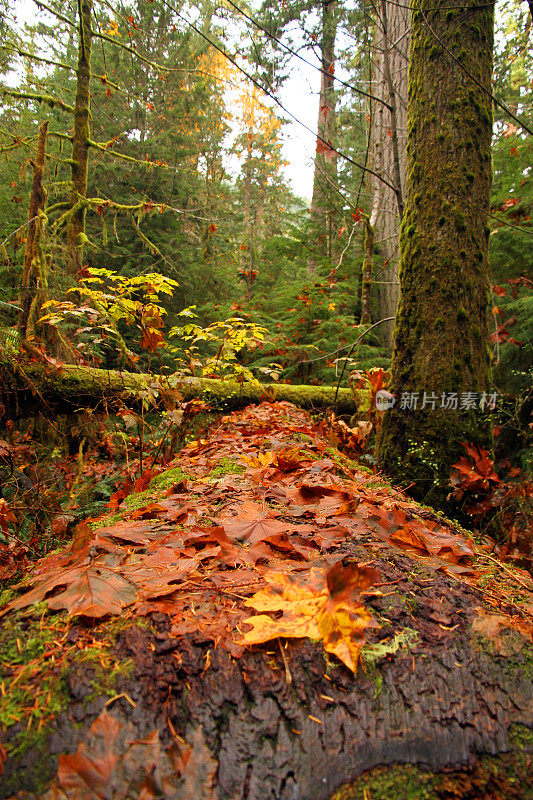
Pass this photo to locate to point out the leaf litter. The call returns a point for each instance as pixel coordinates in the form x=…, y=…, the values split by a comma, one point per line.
x=272, y=539
x=291, y=509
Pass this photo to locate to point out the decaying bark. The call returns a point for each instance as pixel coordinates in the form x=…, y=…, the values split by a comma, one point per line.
x=388, y=130
x=446, y=697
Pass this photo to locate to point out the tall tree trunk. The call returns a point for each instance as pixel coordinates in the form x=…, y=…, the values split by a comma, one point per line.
x=246, y=257
x=366, y=277
x=80, y=141
x=325, y=173
x=388, y=127
x=441, y=327
x=34, y=269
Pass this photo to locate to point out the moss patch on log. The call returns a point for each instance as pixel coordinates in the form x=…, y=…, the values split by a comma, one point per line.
x=505, y=777
x=75, y=384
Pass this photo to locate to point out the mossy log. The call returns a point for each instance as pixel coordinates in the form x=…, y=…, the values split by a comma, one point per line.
x=35, y=387
x=435, y=691
x=289, y=725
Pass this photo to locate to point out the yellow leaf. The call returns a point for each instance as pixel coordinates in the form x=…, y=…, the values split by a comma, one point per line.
x=327, y=606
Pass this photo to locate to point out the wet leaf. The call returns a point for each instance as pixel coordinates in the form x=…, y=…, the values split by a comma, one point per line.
x=325, y=607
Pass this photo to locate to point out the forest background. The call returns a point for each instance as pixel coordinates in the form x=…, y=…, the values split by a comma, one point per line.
x=186, y=181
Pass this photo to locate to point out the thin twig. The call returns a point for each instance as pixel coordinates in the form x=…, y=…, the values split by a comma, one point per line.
x=506, y=568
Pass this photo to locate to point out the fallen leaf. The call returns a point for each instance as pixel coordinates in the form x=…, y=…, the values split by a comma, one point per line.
x=326, y=607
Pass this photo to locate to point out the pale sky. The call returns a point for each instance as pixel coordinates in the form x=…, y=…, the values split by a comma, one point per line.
x=299, y=95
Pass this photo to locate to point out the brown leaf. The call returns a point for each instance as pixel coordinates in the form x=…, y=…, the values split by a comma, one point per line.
x=114, y=762
x=255, y=529
x=94, y=591
x=88, y=776
x=157, y=573
x=60, y=524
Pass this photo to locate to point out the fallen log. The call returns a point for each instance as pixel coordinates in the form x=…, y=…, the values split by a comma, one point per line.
x=164, y=701
x=27, y=388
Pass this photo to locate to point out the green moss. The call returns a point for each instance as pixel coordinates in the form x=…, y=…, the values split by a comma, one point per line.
x=404, y=640
x=390, y=783
x=5, y=596
x=521, y=737
x=168, y=478
x=22, y=638
x=505, y=777
x=226, y=466
x=104, y=676
x=137, y=500
x=24, y=641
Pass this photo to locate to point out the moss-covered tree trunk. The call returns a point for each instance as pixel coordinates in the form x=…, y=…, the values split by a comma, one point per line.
x=34, y=268
x=80, y=140
x=33, y=388
x=441, y=334
x=325, y=173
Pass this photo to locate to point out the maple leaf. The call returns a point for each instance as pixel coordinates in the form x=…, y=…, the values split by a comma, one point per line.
x=94, y=589
x=327, y=607
x=254, y=529
x=113, y=761
x=437, y=542
x=88, y=776
x=475, y=472
x=157, y=573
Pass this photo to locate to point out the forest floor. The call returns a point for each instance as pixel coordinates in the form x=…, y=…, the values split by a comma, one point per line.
x=265, y=619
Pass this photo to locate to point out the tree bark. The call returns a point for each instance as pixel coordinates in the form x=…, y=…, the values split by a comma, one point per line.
x=388, y=128
x=441, y=326
x=366, y=281
x=80, y=140
x=34, y=268
x=325, y=173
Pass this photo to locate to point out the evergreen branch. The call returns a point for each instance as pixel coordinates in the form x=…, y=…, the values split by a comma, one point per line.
x=62, y=136
x=61, y=64
x=133, y=52
x=17, y=143
x=150, y=246
x=40, y=4
x=26, y=54
x=40, y=98
x=145, y=163
x=57, y=206
x=98, y=202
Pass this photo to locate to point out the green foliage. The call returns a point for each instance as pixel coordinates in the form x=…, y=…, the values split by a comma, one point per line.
x=107, y=300
x=214, y=351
